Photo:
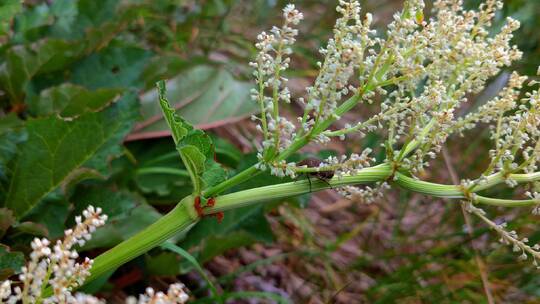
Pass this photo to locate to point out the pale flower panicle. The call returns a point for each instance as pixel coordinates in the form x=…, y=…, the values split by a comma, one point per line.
x=57, y=267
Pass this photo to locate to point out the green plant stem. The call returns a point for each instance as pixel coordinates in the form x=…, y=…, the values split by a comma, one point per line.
x=278, y=191
x=163, y=170
x=252, y=171
x=177, y=220
x=456, y=191
x=231, y=182
x=413, y=144
x=183, y=216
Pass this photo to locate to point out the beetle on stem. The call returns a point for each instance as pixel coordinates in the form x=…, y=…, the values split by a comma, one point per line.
x=322, y=175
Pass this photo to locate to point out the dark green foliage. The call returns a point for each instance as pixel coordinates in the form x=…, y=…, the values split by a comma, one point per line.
x=10, y=262
x=71, y=73
x=55, y=148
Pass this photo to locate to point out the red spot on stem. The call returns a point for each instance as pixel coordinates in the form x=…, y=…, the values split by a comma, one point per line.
x=197, y=205
x=220, y=216
x=211, y=202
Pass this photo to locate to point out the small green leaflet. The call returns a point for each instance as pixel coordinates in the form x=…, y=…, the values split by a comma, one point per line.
x=195, y=147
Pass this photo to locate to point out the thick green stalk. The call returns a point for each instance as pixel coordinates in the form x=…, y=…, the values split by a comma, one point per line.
x=456, y=191
x=438, y=190
x=183, y=216
x=177, y=220
x=278, y=191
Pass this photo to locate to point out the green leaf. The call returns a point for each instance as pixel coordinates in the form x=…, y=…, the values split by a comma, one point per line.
x=196, y=152
x=79, y=175
x=213, y=174
x=178, y=126
x=6, y=220
x=12, y=134
x=194, y=146
x=98, y=23
x=156, y=171
x=8, y=10
x=31, y=228
x=227, y=153
x=10, y=262
x=194, y=161
x=205, y=96
x=55, y=148
x=52, y=213
x=117, y=66
x=65, y=13
x=168, y=183
x=163, y=264
x=157, y=174
x=93, y=13
x=24, y=62
x=10, y=122
x=32, y=23
x=199, y=139
x=165, y=67
x=69, y=101
x=66, y=19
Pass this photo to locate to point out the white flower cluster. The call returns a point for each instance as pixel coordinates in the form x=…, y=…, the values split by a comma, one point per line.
x=343, y=55
x=366, y=194
x=509, y=237
x=447, y=57
x=344, y=165
x=423, y=71
x=535, y=196
x=67, y=273
x=272, y=60
x=279, y=168
x=517, y=139
x=57, y=267
x=455, y=57
x=175, y=295
x=495, y=108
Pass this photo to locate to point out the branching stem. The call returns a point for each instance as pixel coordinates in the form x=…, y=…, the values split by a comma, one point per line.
x=181, y=218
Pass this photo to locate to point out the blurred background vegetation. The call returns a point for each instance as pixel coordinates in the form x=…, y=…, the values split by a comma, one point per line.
x=87, y=69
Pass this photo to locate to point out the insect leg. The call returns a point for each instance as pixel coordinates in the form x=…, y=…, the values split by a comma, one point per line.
x=325, y=181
